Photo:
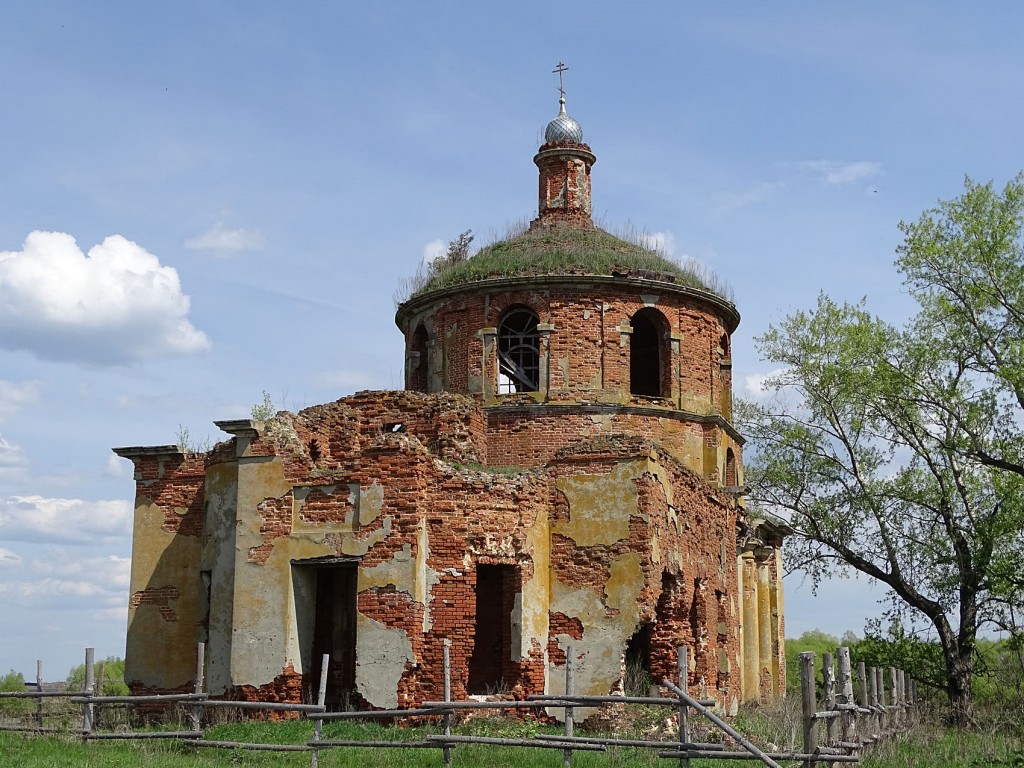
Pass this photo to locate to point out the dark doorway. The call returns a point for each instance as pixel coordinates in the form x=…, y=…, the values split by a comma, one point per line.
x=645, y=354
x=334, y=632
x=492, y=644
x=638, y=678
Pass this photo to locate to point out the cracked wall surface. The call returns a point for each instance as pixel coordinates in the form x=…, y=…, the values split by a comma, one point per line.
x=608, y=514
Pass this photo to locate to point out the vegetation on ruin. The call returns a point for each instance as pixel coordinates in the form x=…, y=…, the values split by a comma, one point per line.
x=558, y=251
x=898, y=452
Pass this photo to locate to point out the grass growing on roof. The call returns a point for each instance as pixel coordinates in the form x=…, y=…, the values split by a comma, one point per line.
x=564, y=251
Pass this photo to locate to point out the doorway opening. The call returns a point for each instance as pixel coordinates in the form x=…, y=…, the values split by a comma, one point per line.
x=332, y=585
x=490, y=665
x=637, y=680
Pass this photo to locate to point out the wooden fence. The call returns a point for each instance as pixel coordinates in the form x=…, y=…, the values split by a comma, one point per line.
x=852, y=718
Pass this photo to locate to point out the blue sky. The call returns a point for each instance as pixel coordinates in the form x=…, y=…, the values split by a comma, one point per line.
x=242, y=187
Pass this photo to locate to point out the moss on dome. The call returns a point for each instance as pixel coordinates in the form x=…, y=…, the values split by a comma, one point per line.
x=563, y=251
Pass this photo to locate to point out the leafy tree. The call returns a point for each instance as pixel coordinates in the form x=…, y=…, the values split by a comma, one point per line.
x=14, y=682
x=896, y=452
x=113, y=677
x=812, y=640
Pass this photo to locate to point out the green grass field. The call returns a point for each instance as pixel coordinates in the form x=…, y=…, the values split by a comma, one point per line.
x=929, y=747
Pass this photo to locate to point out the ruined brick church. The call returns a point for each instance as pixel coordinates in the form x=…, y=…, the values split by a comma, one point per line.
x=560, y=471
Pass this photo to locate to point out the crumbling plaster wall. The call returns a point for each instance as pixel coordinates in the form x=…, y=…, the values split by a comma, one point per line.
x=162, y=612
x=615, y=532
x=633, y=521
x=419, y=526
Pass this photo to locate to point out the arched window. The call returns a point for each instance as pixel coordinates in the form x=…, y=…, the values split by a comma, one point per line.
x=648, y=355
x=518, y=352
x=725, y=377
x=417, y=376
x=731, y=481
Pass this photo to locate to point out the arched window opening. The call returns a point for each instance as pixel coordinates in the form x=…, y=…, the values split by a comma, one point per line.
x=418, y=360
x=647, y=356
x=731, y=481
x=518, y=352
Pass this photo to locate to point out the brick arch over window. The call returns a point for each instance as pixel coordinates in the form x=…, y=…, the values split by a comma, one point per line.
x=649, y=354
x=418, y=377
x=518, y=351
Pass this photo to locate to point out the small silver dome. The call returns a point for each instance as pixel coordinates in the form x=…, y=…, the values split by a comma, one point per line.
x=563, y=128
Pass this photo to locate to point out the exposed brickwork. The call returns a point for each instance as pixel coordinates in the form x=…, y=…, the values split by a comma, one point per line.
x=160, y=597
x=286, y=687
x=410, y=490
x=174, y=482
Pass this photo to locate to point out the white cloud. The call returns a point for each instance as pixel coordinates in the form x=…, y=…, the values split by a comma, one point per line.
x=433, y=250
x=9, y=559
x=71, y=521
x=754, y=384
x=115, y=305
x=110, y=572
x=61, y=579
x=116, y=466
x=51, y=590
x=224, y=240
x=13, y=397
x=12, y=458
x=662, y=242
x=755, y=193
x=835, y=173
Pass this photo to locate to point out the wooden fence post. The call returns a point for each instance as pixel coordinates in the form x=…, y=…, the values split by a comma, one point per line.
x=863, y=701
x=809, y=704
x=849, y=726
x=893, y=696
x=87, y=711
x=195, y=711
x=321, y=700
x=828, y=676
x=570, y=687
x=446, y=751
x=885, y=696
x=39, y=689
x=873, y=702
x=683, y=669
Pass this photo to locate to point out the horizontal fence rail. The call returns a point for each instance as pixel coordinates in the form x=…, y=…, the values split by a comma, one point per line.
x=858, y=707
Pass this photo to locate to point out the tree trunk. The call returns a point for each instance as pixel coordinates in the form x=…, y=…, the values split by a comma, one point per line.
x=960, y=668
x=958, y=654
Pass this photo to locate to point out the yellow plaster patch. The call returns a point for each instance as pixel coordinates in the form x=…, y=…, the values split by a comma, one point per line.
x=600, y=505
x=426, y=577
x=370, y=503
x=162, y=653
x=605, y=636
x=535, y=595
x=398, y=572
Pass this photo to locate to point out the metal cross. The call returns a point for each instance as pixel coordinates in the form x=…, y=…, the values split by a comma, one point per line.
x=560, y=69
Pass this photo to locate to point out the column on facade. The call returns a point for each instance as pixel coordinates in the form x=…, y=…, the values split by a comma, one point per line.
x=749, y=645
x=766, y=687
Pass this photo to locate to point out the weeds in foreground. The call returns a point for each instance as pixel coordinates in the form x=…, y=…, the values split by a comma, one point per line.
x=772, y=725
